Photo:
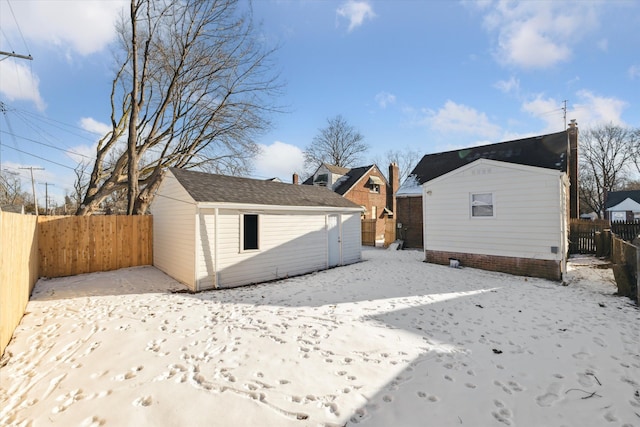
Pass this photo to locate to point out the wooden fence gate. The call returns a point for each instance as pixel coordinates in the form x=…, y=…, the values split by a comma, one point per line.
x=369, y=229
x=582, y=235
x=369, y=232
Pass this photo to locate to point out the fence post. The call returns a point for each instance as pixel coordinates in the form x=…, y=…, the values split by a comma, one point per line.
x=636, y=244
x=606, y=243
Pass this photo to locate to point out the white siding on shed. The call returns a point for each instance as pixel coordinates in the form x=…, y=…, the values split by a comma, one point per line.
x=174, y=223
x=291, y=243
x=205, y=250
x=351, y=238
x=529, y=211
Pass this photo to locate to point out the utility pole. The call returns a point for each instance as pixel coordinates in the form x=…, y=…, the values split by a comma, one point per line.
x=33, y=186
x=564, y=109
x=46, y=196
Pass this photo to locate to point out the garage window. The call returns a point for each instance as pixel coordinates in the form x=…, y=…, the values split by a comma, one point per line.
x=250, y=228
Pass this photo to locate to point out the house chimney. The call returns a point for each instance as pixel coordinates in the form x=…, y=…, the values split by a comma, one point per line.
x=574, y=207
x=394, y=182
x=295, y=178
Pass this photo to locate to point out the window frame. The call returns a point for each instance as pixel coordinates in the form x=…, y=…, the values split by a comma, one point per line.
x=243, y=248
x=478, y=203
x=374, y=188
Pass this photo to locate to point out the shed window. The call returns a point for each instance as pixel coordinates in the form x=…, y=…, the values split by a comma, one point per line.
x=249, y=232
x=482, y=205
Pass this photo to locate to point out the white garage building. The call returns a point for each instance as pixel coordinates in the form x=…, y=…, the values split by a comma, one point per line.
x=216, y=231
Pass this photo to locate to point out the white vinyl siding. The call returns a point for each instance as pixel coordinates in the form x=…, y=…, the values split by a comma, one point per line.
x=351, y=238
x=174, y=231
x=290, y=244
x=528, y=211
x=205, y=249
x=199, y=244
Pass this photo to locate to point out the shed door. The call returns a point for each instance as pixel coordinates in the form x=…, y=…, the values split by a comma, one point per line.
x=334, y=240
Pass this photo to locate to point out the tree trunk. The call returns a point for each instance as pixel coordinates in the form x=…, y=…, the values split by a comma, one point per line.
x=132, y=169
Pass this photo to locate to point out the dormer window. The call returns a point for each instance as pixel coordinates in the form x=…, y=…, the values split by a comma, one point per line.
x=374, y=184
x=321, y=180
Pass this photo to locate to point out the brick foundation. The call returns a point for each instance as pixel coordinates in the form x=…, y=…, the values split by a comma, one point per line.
x=546, y=269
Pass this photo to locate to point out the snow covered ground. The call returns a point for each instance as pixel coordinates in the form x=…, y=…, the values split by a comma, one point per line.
x=391, y=341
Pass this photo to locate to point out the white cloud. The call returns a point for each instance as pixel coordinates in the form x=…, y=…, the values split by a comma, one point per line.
x=84, y=27
x=384, y=98
x=19, y=83
x=508, y=86
x=92, y=125
x=458, y=118
x=548, y=110
x=356, y=12
x=537, y=34
x=85, y=154
x=592, y=110
x=279, y=160
x=634, y=72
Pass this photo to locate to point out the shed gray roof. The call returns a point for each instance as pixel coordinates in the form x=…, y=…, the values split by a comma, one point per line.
x=206, y=187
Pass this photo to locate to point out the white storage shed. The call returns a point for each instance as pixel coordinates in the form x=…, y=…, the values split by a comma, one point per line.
x=216, y=231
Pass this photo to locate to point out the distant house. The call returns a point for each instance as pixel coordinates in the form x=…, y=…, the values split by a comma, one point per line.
x=623, y=205
x=557, y=151
x=216, y=231
x=365, y=186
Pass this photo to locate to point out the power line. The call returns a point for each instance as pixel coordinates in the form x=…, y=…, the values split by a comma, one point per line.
x=41, y=158
x=21, y=35
x=47, y=145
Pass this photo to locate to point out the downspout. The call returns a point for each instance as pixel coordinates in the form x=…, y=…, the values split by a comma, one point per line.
x=326, y=240
x=198, y=238
x=215, y=250
x=564, y=249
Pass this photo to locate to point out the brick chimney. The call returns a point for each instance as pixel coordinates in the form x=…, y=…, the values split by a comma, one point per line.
x=394, y=183
x=574, y=207
x=295, y=179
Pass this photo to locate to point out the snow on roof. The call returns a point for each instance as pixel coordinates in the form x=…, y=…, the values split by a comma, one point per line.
x=410, y=187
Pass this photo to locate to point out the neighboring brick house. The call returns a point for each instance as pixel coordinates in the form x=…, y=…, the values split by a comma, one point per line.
x=557, y=151
x=365, y=186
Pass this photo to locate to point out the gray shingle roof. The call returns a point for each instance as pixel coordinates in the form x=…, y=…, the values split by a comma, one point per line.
x=545, y=151
x=206, y=187
x=617, y=197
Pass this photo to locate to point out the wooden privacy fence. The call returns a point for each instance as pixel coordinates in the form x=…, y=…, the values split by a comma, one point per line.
x=582, y=235
x=71, y=245
x=369, y=232
x=627, y=231
x=369, y=229
x=389, y=232
x=18, y=269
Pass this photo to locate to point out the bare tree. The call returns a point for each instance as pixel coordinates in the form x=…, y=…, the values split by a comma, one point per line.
x=192, y=90
x=80, y=184
x=11, y=189
x=338, y=143
x=405, y=158
x=607, y=154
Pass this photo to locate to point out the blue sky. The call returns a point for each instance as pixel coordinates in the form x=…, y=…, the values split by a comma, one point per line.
x=426, y=76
